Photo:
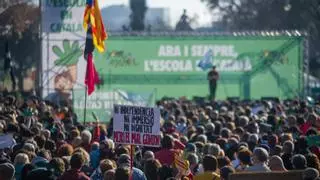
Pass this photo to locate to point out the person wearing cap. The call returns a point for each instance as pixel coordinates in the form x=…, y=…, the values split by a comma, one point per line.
x=213, y=77
x=124, y=162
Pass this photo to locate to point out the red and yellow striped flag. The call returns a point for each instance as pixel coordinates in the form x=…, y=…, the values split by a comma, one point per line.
x=181, y=164
x=93, y=18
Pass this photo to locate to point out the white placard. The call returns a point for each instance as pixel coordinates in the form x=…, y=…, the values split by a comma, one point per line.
x=136, y=125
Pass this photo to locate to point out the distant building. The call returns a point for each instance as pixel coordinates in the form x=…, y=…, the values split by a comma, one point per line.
x=117, y=16
x=158, y=18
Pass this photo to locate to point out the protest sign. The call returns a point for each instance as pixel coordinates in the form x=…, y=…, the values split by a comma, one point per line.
x=136, y=125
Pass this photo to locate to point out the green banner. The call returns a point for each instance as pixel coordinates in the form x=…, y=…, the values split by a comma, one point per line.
x=249, y=67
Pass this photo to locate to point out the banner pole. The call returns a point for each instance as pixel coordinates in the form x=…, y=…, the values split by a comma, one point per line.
x=85, y=106
x=131, y=161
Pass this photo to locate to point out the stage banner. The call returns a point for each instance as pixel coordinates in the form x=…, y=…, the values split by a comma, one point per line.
x=249, y=67
x=136, y=125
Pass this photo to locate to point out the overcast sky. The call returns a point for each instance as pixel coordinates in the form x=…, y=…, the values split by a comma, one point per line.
x=194, y=7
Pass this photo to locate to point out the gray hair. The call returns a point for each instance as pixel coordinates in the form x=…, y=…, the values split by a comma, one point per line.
x=202, y=138
x=261, y=154
x=253, y=138
x=214, y=149
x=193, y=158
x=86, y=136
x=148, y=155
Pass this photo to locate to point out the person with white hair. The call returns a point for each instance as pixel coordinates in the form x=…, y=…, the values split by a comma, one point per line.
x=86, y=138
x=20, y=160
x=260, y=158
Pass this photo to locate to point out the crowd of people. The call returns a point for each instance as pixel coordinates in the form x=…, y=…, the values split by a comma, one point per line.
x=43, y=141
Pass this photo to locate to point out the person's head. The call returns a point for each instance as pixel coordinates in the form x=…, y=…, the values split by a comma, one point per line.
x=21, y=159
x=210, y=163
x=106, y=165
x=57, y=166
x=122, y=173
x=310, y=174
x=193, y=159
x=167, y=142
x=277, y=150
x=273, y=140
x=109, y=175
x=50, y=145
x=313, y=161
x=210, y=127
x=77, y=161
x=151, y=168
x=202, y=138
x=65, y=150
x=276, y=164
x=84, y=153
x=223, y=161
x=40, y=140
x=225, y=133
x=95, y=146
x=286, y=137
x=253, y=138
x=148, y=155
x=225, y=172
x=244, y=156
x=288, y=147
x=260, y=155
x=86, y=137
x=214, y=150
x=191, y=148
x=213, y=67
x=124, y=160
x=45, y=154
x=29, y=147
x=299, y=162
x=6, y=171
x=46, y=133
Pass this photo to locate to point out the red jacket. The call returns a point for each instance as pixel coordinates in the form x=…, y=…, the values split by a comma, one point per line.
x=166, y=156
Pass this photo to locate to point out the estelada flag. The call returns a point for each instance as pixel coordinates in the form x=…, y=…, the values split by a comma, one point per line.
x=93, y=19
x=181, y=164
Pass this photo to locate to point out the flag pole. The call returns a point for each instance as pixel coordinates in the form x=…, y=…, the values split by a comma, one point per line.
x=85, y=106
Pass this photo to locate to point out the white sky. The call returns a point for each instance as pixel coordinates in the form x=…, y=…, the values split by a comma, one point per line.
x=194, y=7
